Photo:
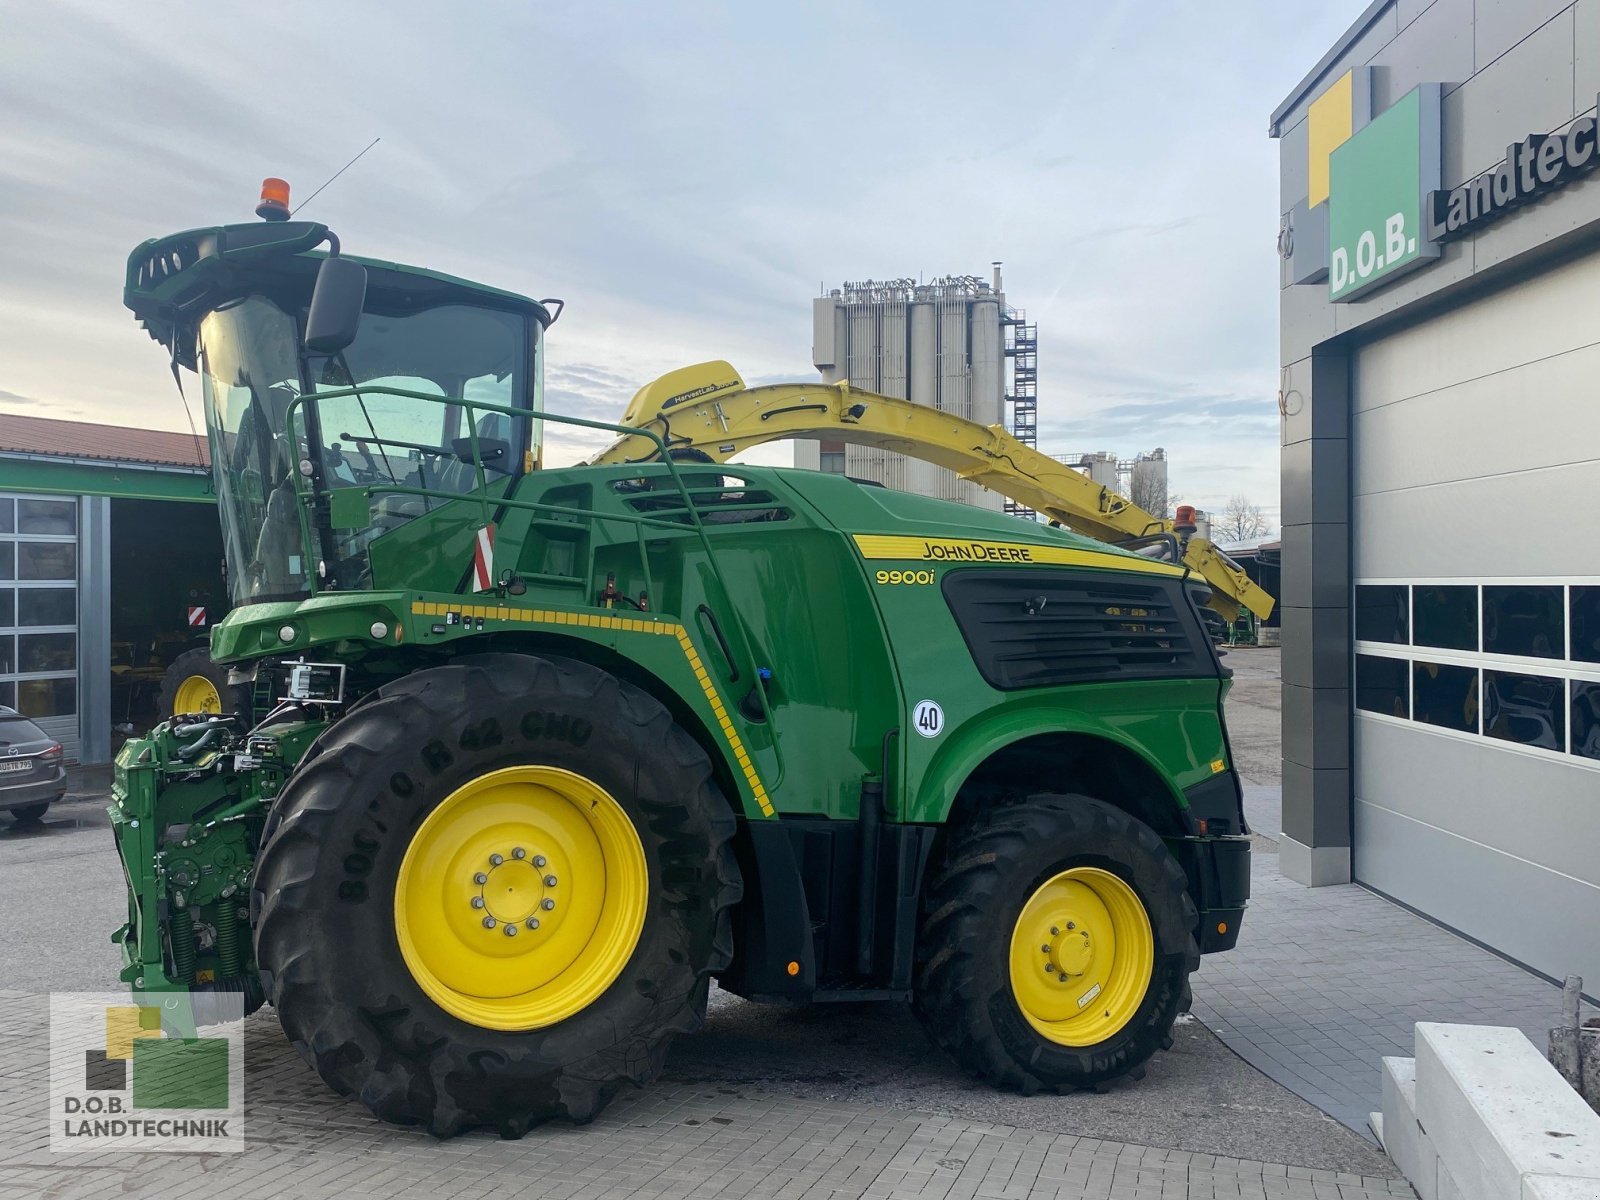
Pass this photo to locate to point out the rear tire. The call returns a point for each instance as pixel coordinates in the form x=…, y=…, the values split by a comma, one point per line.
x=985, y=898
x=29, y=814
x=335, y=961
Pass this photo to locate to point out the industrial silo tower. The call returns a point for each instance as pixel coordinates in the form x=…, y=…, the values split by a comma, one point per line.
x=952, y=344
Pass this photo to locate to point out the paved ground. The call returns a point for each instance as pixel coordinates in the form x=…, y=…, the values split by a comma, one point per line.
x=679, y=1138
x=1326, y=981
x=822, y=1101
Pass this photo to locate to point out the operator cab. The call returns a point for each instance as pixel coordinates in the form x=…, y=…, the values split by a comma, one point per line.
x=387, y=411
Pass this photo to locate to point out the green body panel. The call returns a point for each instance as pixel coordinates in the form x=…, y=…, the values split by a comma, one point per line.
x=848, y=658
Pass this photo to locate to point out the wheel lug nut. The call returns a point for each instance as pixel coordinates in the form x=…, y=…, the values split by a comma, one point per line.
x=549, y=881
x=1054, y=932
x=539, y=860
x=1072, y=924
x=1045, y=949
x=496, y=859
x=489, y=922
x=547, y=904
x=532, y=922
x=480, y=878
x=1049, y=970
x=519, y=852
x=477, y=902
x=511, y=931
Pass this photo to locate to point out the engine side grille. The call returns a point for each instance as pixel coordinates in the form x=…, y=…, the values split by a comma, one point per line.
x=1047, y=628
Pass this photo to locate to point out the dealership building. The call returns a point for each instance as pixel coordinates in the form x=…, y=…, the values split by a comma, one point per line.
x=1440, y=318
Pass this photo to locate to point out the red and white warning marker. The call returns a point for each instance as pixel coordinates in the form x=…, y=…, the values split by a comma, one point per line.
x=483, y=560
x=197, y=617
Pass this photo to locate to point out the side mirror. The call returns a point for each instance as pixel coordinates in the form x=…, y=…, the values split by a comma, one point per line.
x=336, y=304
x=492, y=452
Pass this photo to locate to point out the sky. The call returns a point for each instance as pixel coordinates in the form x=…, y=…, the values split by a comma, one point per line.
x=687, y=177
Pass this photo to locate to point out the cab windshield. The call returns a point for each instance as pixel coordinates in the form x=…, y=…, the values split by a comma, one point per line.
x=389, y=445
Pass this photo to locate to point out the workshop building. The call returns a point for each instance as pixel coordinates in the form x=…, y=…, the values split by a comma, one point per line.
x=110, y=566
x=1440, y=247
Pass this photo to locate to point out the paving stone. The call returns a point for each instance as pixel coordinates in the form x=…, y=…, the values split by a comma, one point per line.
x=1326, y=981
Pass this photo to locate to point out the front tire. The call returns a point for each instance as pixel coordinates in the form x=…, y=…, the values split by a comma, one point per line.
x=1056, y=944
x=194, y=684
x=374, y=937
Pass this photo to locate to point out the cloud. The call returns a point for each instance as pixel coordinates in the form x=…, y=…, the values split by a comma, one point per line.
x=686, y=176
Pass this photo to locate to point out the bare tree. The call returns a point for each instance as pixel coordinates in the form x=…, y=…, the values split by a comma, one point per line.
x=1149, y=492
x=1240, y=521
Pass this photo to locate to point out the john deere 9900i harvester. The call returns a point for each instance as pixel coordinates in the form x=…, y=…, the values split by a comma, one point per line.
x=515, y=761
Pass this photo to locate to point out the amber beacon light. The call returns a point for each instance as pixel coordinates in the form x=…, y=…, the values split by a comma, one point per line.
x=274, y=205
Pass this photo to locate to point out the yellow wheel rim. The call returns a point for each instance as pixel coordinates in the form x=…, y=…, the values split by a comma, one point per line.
x=1081, y=956
x=521, y=897
x=196, y=694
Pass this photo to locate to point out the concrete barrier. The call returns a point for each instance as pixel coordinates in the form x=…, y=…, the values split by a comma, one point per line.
x=1480, y=1115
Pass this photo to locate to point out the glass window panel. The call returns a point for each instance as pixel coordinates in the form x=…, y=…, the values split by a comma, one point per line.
x=1381, y=685
x=1586, y=718
x=47, y=652
x=1445, y=695
x=1446, y=617
x=1524, y=620
x=1381, y=613
x=8, y=521
x=8, y=693
x=55, y=517
x=8, y=560
x=47, y=560
x=8, y=655
x=1586, y=624
x=45, y=606
x=8, y=607
x=1528, y=709
x=47, y=697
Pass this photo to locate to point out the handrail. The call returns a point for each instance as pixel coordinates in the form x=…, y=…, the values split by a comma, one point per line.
x=304, y=491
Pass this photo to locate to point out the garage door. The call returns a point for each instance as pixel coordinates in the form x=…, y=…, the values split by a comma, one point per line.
x=39, y=612
x=1476, y=560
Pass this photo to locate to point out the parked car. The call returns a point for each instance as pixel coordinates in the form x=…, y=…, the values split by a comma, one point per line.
x=32, y=775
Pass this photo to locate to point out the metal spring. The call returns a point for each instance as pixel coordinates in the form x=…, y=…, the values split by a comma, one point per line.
x=180, y=932
x=228, y=950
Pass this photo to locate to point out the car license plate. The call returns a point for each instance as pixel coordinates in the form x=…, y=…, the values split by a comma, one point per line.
x=24, y=764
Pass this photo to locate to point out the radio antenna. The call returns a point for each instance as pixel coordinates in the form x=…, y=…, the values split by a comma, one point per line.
x=335, y=175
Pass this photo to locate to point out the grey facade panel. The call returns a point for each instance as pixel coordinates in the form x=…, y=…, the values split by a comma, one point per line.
x=1436, y=47
x=1322, y=817
x=1316, y=646
x=1316, y=565
x=1548, y=921
x=1294, y=153
x=1325, y=460
x=1528, y=89
x=1316, y=727
x=1316, y=397
x=1499, y=26
x=1585, y=55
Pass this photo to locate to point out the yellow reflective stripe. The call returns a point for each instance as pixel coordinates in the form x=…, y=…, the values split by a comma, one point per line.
x=423, y=608
x=967, y=550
